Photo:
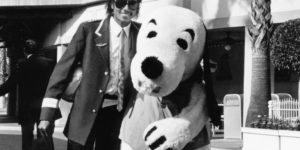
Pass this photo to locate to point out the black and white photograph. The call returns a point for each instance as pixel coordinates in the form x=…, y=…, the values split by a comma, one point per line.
x=149, y=74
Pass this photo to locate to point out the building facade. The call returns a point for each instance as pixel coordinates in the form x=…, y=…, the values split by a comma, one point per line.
x=53, y=23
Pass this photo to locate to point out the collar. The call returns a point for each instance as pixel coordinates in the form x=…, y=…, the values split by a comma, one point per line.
x=115, y=28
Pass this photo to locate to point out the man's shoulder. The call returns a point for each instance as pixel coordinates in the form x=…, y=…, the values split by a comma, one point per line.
x=90, y=25
x=136, y=24
x=92, y=22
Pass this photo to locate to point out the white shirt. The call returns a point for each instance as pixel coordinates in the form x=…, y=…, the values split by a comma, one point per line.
x=115, y=55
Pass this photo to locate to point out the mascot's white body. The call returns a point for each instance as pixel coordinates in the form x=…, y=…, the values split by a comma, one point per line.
x=170, y=46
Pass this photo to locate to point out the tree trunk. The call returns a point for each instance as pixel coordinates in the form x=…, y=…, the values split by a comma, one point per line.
x=299, y=87
x=260, y=81
x=260, y=87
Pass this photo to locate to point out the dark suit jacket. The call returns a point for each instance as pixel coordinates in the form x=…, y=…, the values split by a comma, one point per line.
x=32, y=78
x=90, y=46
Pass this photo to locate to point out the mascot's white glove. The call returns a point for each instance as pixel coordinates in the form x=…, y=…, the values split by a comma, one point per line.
x=175, y=132
x=168, y=134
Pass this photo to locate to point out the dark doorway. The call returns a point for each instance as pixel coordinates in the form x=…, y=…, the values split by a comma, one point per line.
x=17, y=25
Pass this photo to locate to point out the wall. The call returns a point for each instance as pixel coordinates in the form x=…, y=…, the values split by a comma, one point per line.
x=5, y=3
x=232, y=13
x=63, y=32
x=215, y=13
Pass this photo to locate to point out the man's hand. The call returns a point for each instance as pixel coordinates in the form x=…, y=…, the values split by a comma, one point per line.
x=44, y=127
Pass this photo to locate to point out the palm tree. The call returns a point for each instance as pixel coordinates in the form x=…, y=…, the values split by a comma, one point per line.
x=259, y=33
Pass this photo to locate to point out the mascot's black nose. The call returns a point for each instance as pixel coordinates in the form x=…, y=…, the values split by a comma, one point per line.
x=152, y=67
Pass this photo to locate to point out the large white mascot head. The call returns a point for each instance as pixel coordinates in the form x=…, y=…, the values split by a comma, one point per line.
x=169, y=47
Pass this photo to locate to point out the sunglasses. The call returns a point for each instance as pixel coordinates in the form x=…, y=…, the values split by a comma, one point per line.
x=133, y=5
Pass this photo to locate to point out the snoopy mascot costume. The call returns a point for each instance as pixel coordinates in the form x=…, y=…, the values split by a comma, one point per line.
x=170, y=110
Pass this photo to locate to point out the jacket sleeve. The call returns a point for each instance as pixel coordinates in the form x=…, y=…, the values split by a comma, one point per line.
x=8, y=85
x=61, y=75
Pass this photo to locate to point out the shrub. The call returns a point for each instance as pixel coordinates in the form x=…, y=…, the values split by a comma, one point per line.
x=285, y=46
x=275, y=124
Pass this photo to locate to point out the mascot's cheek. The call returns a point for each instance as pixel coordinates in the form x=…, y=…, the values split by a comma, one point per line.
x=136, y=73
x=170, y=79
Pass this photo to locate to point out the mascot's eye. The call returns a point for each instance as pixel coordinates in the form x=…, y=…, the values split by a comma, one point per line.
x=153, y=21
x=191, y=32
x=182, y=43
x=151, y=34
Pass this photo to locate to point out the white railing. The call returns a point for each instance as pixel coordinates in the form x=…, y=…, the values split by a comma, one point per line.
x=285, y=109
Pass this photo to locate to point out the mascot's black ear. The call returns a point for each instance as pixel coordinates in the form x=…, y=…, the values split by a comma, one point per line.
x=214, y=111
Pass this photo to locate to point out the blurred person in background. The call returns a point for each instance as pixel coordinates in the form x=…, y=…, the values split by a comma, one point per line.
x=31, y=79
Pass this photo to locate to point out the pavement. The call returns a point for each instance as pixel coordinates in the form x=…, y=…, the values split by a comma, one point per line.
x=218, y=142
x=10, y=139
x=226, y=144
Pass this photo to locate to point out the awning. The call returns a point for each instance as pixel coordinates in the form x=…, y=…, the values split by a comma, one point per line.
x=35, y=3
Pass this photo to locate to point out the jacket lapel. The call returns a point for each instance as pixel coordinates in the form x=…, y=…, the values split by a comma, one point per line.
x=102, y=39
x=133, y=36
